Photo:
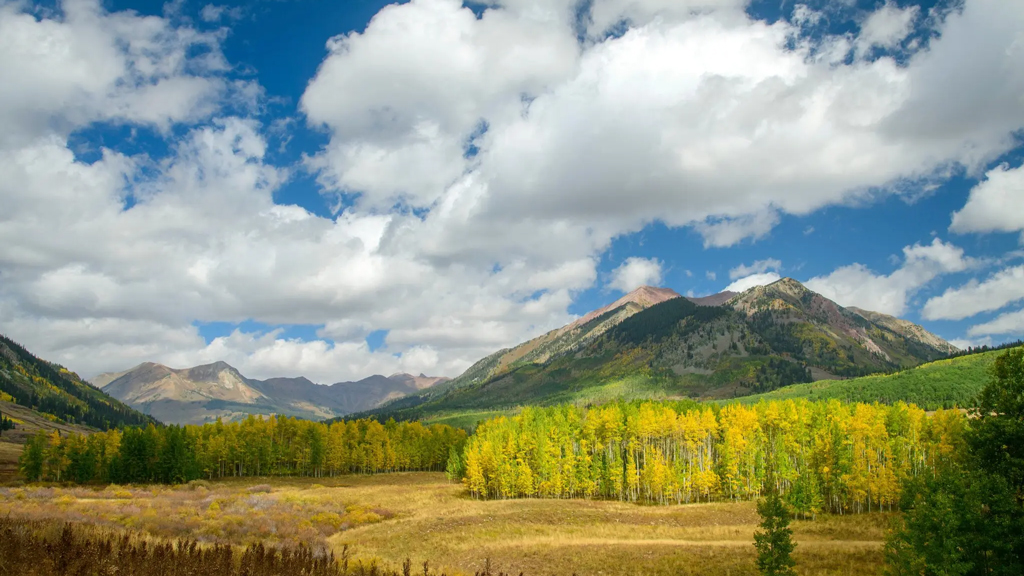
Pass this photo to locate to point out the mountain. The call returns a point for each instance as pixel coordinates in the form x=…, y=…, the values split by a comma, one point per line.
x=205, y=393
x=57, y=393
x=654, y=343
x=567, y=339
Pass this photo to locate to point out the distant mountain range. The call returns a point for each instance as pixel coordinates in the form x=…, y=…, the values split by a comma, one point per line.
x=653, y=342
x=205, y=393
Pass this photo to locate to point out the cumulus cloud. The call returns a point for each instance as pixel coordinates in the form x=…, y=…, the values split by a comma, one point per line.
x=634, y=128
x=887, y=26
x=88, y=66
x=635, y=272
x=487, y=163
x=758, y=267
x=856, y=285
x=1007, y=323
x=995, y=204
x=748, y=282
x=1002, y=288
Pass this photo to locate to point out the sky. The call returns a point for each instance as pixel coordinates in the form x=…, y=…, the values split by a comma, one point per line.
x=339, y=189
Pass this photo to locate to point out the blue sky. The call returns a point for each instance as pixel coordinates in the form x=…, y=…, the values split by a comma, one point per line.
x=336, y=189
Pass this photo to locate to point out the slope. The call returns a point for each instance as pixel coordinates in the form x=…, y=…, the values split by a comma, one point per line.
x=762, y=339
x=947, y=383
x=27, y=423
x=565, y=340
x=59, y=393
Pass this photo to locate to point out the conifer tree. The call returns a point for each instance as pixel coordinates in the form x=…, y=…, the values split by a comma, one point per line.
x=5, y=424
x=774, y=541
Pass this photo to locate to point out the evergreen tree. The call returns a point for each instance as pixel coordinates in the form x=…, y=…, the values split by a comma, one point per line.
x=997, y=438
x=774, y=541
x=966, y=519
x=5, y=424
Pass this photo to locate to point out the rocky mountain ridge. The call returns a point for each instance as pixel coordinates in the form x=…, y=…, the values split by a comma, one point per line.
x=205, y=393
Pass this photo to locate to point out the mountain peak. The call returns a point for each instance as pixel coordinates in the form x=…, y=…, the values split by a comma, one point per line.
x=644, y=296
x=650, y=295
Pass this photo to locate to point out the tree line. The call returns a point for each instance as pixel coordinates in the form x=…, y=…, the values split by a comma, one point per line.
x=256, y=446
x=820, y=455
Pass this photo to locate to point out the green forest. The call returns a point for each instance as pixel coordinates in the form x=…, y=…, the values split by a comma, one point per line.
x=276, y=446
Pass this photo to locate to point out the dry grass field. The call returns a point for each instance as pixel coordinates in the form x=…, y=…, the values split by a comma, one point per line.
x=421, y=516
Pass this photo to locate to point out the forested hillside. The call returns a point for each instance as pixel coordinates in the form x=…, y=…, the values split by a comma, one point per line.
x=947, y=383
x=824, y=455
x=253, y=447
x=55, y=391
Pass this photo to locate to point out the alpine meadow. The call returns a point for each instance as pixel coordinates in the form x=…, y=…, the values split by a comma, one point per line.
x=512, y=288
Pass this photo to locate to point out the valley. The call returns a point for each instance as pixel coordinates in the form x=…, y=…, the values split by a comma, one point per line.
x=634, y=440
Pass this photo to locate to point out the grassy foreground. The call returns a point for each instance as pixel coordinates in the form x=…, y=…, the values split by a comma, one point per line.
x=424, y=517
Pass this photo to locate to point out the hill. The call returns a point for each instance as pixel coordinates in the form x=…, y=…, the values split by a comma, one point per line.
x=205, y=393
x=947, y=383
x=674, y=347
x=27, y=423
x=53, y=390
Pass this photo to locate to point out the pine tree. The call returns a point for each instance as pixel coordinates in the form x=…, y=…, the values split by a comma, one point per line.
x=5, y=424
x=774, y=541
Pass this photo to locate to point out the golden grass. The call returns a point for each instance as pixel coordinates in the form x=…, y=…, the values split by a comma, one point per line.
x=424, y=517
x=229, y=513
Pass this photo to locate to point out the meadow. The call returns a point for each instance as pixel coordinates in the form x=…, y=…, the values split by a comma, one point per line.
x=421, y=516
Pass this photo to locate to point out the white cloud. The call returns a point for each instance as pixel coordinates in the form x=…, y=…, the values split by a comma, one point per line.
x=748, y=282
x=1002, y=288
x=636, y=272
x=213, y=13
x=758, y=267
x=965, y=343
x=856, y=285
x=996, y=204
x=90, y=66
x=710, y=275
x=887, y=26
x=1007, y=323
x=697, y=115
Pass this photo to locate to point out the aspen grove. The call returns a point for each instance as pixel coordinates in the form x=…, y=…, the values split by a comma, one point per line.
x=825, y=455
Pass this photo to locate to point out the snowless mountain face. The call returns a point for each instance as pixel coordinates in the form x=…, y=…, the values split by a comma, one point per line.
x=654, y=343
x=205, y=393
